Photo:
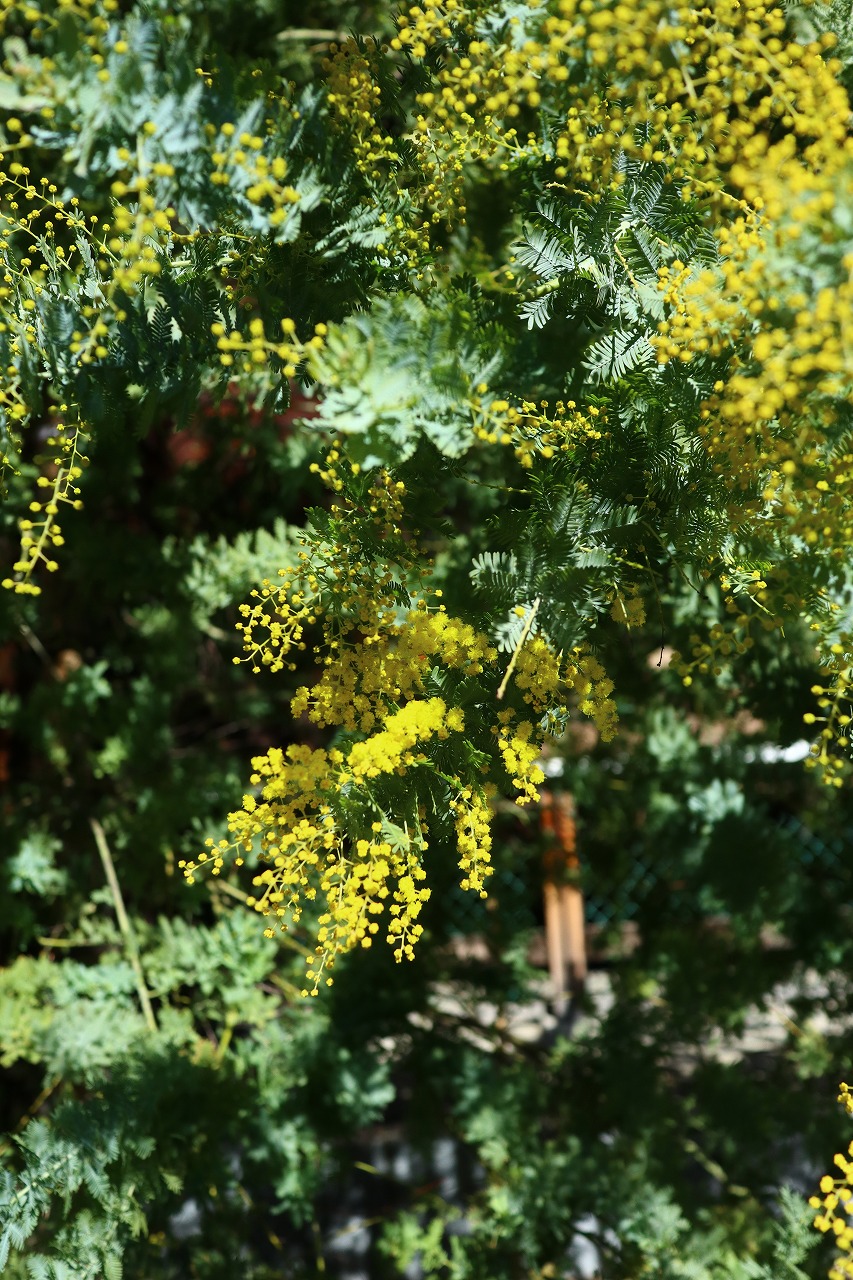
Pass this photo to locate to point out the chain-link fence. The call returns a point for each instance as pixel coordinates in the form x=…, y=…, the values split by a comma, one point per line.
x=610, y=899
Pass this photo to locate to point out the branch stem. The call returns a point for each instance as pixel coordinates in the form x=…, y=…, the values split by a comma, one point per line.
x=124, y=923
x=518, y=648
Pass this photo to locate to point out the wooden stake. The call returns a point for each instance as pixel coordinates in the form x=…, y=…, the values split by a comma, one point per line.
x=565, y=926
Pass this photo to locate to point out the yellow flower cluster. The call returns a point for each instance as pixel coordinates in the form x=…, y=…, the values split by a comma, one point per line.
x=356, y=689
x=422, y=26
x=355, y=99
x=256, y=348
x=371, y=683
x=544, y=679
x=310, y=808
x=708, y=656
x=795, y=327
x=538, y=675
x=441, y=143
x=771, y=424
x=798, y=336
x=390, y=750
x=239, y=163
x=32, y=220
x=306, y=851
x=732, y=77
x=42, y=16
x=124, y=252
x=628, y=608
x=45, y=241
x=41, y=532
x=533, y=430
x=474, y=838
x=695, y=87
x=593, y=686
x=336, y=582
x=835, y=1204
x=834, y=713
x=692, y=86
x=300, y=817
x=520, y=749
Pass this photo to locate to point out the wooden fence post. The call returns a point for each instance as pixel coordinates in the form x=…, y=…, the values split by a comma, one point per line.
x=565, y=930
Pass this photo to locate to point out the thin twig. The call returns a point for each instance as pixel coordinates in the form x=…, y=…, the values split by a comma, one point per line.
x=34, y=643
x=124, y=923
x=311, y=33
x=284, y=939
x=318, y=1248
x=711, y=1166
x=36, y=1106
x=525, y=633
x=68, y=942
